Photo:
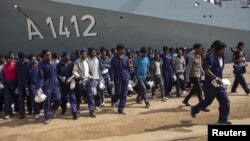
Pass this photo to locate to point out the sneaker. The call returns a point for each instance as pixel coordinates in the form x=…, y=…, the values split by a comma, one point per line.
x=63, y=112
x=164, y=99
x=78, y=112
x=1, y=113
x=36, y=117
x=186, y=103
x=147, y=104
x=117, y=103
x=102, y=104
x=113, y=104
x=97, y=108
x=224, y=122
x=184, y=92
x=30, y=113
x=138, y=101
x=21, y=116
x=7, y=117
x=54, y=114
x=122, y=112
x=75, y=116
x=170, y=95
x=193, y=114
x=205, y=110
x=93, y=115
x=68, y=105
x=46, y=121
x=130, y=95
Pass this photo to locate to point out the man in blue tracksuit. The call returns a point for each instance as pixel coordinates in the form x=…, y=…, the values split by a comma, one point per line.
x=48, y=83
x=105, y=64
x=64, y=72
x=23, y=90
x=32, y=82
x=168, y=72
x=239, y=61
x=120, y=77
x=214, y=65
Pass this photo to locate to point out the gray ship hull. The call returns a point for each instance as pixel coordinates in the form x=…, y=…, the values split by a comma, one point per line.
x=134, y=31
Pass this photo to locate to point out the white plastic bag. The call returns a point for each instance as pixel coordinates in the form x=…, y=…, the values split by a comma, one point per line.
x=105, y=71
x=72, y=84
x=1, y=86
x=175, y=78
x=130, y=86
x=150, y=84
x=102, y=85
x=40, y=97
x=202, y=78
x=70, y=79
x=226, y=83
x=94, y=91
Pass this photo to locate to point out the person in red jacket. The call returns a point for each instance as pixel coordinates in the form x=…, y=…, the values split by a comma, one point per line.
x=10, y=82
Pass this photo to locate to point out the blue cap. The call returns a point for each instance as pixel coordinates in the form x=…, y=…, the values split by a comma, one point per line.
x=84, y=50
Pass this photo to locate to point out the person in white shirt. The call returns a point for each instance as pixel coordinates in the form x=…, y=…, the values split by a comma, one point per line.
x=179, y=67
x=157, y=68
x=82, y=75
x=94, y=69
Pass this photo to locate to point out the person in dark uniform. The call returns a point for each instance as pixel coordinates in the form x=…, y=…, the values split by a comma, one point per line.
x=120, y=77
x=167, y=72
x=151, y=54
x=32, y=82
x=64, y=72
x=239, y=61
x=214, y=65
x=105, y=64
x=23, y=91
x=48, y=83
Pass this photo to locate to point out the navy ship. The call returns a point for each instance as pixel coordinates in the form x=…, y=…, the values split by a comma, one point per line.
x=32, y=25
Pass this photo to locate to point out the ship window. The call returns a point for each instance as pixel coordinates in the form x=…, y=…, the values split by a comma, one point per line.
x=204, y=16
x=196, y=4
x=210, y=16
x=121, y=17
